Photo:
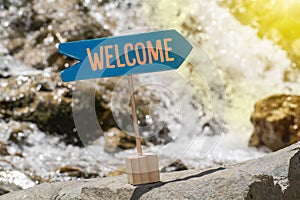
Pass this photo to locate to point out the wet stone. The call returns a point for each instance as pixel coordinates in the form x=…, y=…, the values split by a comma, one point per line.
x=116, y=140
x=177, y=165
x=74, y=171
x=276, y=121
x=34, y=33
x=3, y=149
x=20, y=133
x=45, y=100
x=162, y=137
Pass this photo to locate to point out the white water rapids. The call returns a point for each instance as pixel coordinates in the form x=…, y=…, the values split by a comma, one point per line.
x=251, y=68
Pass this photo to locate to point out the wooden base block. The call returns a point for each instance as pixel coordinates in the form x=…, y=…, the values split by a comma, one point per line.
x=142, y=169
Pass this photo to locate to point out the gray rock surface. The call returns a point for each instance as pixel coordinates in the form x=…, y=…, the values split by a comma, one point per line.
x=275, y=176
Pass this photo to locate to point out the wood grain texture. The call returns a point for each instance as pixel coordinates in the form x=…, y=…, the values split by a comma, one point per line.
x=142, y=169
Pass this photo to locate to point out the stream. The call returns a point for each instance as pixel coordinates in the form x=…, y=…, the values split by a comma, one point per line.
x=242, y=61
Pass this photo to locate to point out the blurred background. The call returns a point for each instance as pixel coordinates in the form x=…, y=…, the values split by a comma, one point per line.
x=253, y=45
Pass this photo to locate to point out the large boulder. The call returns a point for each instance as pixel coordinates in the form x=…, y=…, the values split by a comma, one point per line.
x=275, y=176
x=33, y=33
x=276, y=121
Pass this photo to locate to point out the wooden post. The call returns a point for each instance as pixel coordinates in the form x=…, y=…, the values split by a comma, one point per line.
x=134, y=117
x=140, y=168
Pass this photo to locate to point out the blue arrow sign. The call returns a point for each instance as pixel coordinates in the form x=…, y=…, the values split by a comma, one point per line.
x=124, y=55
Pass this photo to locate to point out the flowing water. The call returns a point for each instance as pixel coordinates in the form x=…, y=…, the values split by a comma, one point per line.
x=250, y=67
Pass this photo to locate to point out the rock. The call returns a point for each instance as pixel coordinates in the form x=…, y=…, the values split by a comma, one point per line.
x=67, y=169
x=177, y=165
x=3, y=50
x=262, y=178
x=27, y=98
x=24, y=100
x=20, y=133
x=162, y=137
x=33, y=34
x=8, y=67
x=3, y=149
x=276, y=121
x=8, y=187
x=121, y=170
x=14, y=137
x=14, y=180
x=45, y=100
x=116, y=140
x=293, y=191
x=74, y=171
x=263, y=188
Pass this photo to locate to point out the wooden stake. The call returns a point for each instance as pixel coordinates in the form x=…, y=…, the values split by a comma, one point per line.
x=134, y=117
x=140, y=169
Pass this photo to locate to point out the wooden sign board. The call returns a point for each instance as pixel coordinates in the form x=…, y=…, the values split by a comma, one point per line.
x=127, y=55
